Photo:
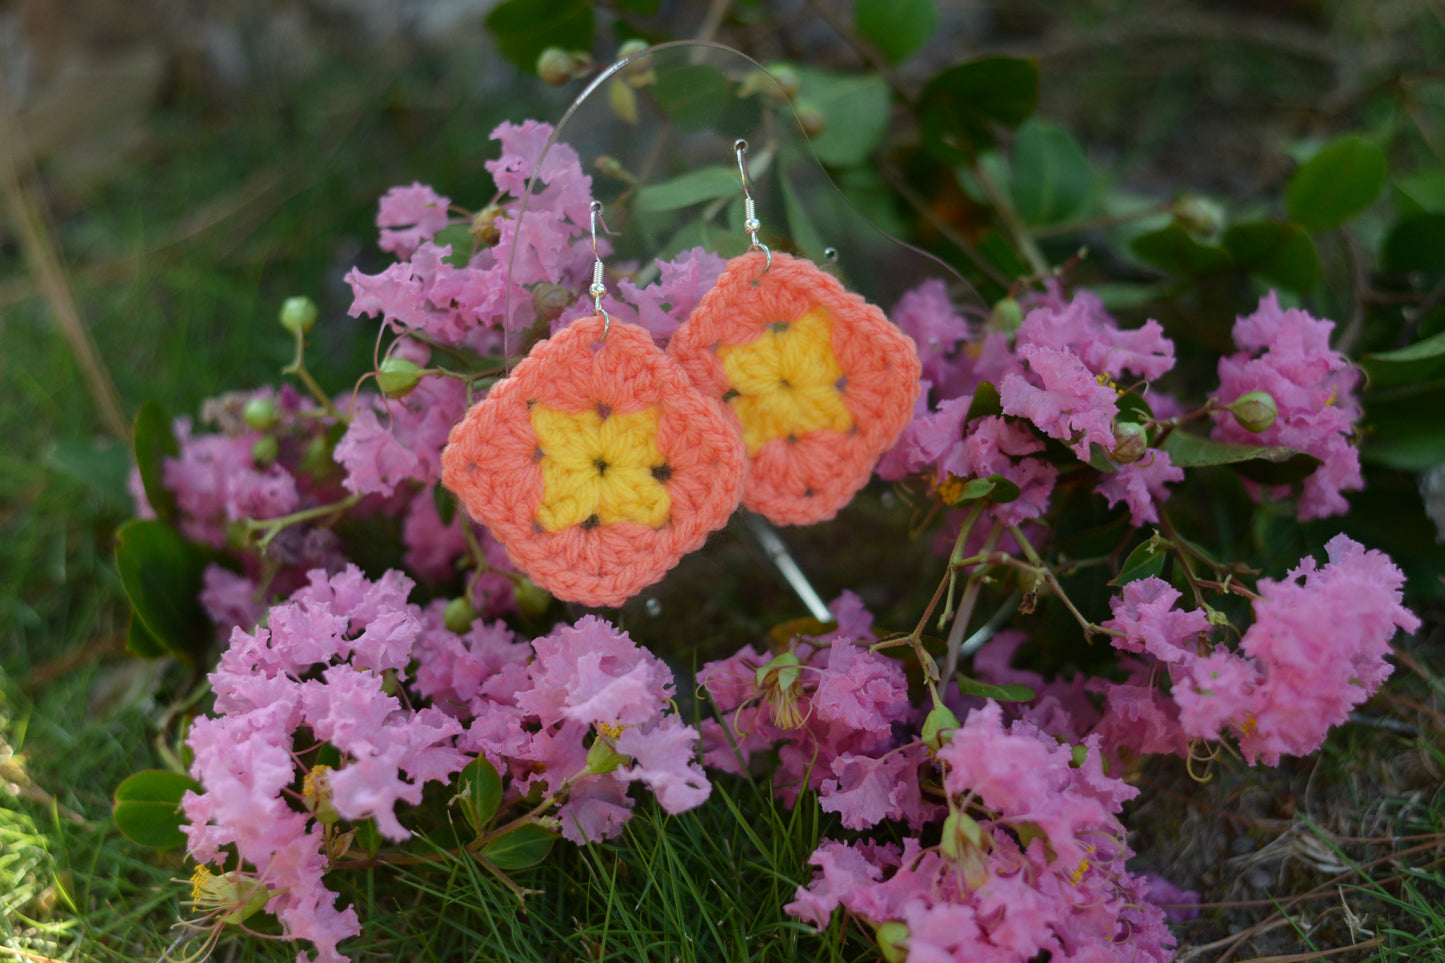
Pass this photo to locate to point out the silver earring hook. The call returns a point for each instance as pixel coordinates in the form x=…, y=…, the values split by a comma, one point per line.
x=597, y=289
x=751, y=224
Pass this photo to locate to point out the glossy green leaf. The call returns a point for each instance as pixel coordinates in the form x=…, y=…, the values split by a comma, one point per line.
x=524, y=28
x=1418, y=362
x=959, y=107
x=1273, y=464
x=1051, y=176
x=479, y=792
x=139, y=642
x=1012, y=692
x=1405, y=431
x=1281, y=254
x=147, y=807
x=855, y=109
x=1416, y=244
x=161, y=573
x=985, y=402
x=694, y=96
x=154, y=443
x=527, y=845
x=1424, y=190
x=1145, y=561
x=1337, y=183
x=693, y=187
x=896, y=27
x=1174, y=250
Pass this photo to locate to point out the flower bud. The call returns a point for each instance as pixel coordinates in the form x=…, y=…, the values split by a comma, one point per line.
x=602, y=758
x=298, y=315
x=1131, y=440
x=787, y=79
x=940, y=720
x=555, y=66
x=261, y=413
x=484, y=230
x=1199, y=215
x=459, y=615
x=550, y=300
x=810, y=117
x=891, y=936
x=1254, y=410
x=531, y=600
x=1006, y=316
x=265, y=450
x=397, y=376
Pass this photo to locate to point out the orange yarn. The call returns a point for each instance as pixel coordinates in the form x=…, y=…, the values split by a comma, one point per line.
x=597, y=464
x=818, y=382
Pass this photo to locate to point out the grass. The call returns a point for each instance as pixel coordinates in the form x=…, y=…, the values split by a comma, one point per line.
x=179, y=269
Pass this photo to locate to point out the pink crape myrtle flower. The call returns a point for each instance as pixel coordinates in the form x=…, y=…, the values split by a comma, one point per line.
x=1287, y=353
x=317, y=667
x=1057, y=883
x=418, y=211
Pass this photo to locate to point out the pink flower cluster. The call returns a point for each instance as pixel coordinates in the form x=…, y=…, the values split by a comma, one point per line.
x=1042, y=866
x=544, y=713
x=1032, y=858
x=1287, y=353
x=1315, y=650
x=1055, y=378
x=830, y=709
x=579, y=715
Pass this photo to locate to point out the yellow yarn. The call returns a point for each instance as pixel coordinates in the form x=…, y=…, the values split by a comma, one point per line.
x=786, y=381
x=600, y=467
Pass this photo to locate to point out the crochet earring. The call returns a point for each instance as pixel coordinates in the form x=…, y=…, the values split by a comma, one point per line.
x=817, y=380
x=596, y=463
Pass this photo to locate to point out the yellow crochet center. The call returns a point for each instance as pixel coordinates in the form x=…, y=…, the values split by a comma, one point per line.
x=786, y=383
x=598, y=468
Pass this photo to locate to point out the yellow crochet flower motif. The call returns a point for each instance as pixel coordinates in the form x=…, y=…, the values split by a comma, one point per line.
x=599, y=467
x=785, y=384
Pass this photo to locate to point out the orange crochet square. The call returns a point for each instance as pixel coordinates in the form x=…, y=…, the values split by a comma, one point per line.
x=596, y=464
x=818, y=382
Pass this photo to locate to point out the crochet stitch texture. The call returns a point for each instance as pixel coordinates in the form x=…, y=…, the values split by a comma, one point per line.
x=818, y=382
x=596, y=464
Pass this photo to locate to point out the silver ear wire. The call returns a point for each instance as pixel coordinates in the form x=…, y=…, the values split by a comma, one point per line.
x=597, y=288
x=751, y=224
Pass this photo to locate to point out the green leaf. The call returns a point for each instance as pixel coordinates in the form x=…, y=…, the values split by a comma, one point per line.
x=985, y=402
x=161, y=573
x=100, y=466
x=1132, y=403
x=154, y=443
x=1416, y=244
x=140, y=643
x=1424, y=189
x=1271, y=464
x=959, y=107
x=147, y=807
x=527, y=845
x=1174, y=250
x=1012, y=692
x=368, y=837
x=694, y=96
x=896, y=27
x=1337, y=183
x=524, y=28
x=1418, y=362
x=1282, y=254
x=855, y=110
x=807, y=239
x=1146, y=560
x=1051, y=175
x=479, y=792
x=685, y=190
x=1405, y=431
